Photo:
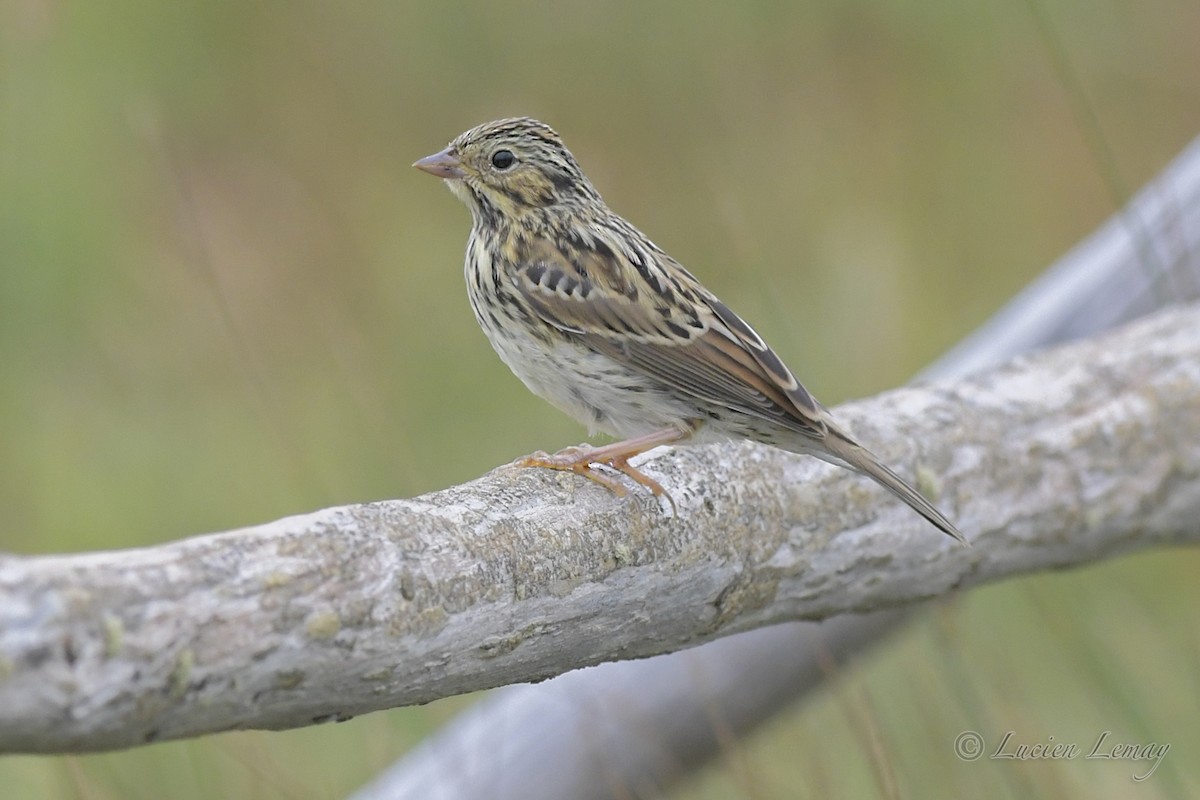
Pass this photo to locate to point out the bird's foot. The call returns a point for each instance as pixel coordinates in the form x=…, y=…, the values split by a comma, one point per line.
x=582, y=459
x=572, y=459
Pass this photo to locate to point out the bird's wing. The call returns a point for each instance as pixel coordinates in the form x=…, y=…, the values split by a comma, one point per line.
x=635, y=305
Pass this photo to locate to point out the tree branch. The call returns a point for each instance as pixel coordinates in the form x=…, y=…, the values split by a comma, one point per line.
x=1060, y=459
x=634, y=726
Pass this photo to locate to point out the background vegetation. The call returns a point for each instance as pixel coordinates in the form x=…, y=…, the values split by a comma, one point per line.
x=225, y=297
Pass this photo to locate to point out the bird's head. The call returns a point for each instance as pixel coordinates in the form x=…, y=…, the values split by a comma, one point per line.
x=510, y=167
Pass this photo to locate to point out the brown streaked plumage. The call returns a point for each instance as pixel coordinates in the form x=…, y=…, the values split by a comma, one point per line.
x=598, y=320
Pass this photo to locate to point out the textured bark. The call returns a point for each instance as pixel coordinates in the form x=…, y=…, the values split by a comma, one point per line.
x=630, y=728
x=1061, y=458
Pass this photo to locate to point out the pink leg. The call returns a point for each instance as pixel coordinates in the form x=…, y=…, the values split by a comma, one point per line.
x=616, y=455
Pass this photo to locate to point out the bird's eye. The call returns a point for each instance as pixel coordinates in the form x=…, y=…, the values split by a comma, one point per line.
x=503, y=159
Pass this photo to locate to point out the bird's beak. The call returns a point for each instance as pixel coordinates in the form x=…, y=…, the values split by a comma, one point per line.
x=441, y=165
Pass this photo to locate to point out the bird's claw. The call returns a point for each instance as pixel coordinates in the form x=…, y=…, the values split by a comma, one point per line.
x=578, y=459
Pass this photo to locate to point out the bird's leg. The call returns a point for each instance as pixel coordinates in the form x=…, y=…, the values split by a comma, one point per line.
x=577, y=459
x=616, y=455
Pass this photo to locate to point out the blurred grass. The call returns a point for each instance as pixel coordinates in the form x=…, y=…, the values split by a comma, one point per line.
x=225, y=297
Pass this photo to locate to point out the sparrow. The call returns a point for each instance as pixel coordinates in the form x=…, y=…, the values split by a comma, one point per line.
x=598, y=320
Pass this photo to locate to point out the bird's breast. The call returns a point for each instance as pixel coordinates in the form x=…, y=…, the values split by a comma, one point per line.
x=558, y=366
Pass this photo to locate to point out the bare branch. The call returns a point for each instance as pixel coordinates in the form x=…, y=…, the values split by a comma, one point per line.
x=637, y=725
x=1060, y=459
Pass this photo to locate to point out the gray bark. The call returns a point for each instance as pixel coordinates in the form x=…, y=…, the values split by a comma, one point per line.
x=632, y=727
x=1059, y=459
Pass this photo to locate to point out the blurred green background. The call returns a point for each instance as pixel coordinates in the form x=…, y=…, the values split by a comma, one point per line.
x=225, y=297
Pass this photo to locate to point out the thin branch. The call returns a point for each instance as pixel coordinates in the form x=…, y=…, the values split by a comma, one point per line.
x=1063, y=458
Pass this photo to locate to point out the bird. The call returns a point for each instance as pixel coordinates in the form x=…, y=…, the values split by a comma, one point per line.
x=598, y=320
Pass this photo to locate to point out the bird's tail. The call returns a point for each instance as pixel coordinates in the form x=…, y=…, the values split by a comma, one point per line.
x=851, y=454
